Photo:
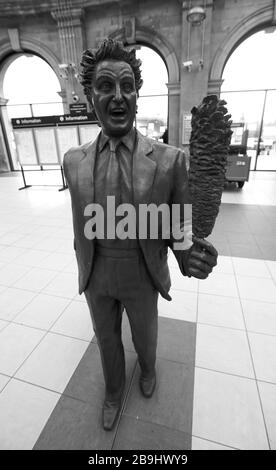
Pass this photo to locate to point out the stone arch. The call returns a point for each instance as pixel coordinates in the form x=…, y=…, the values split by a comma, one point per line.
x=241, y=31
x=154, y=40
x=7, y=55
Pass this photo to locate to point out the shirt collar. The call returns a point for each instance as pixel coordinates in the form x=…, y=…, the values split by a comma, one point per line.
x=128, y=140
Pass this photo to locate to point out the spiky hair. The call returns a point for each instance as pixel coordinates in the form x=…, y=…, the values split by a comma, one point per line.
x=109, y=49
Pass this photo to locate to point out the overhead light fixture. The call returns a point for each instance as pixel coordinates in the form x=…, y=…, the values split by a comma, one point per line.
x=196, y=16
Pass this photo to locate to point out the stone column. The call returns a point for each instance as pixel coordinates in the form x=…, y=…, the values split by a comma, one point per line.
x=72, y=44
x=6, y=137
x=194, y=79
x=173, y=112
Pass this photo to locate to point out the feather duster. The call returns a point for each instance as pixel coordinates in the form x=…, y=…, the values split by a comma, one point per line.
x=209, y=146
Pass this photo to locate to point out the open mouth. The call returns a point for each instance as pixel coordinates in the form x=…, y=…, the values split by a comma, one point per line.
x=118, y=112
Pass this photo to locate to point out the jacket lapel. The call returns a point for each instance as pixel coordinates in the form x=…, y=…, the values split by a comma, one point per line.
x=144, y=170
x=85, y=178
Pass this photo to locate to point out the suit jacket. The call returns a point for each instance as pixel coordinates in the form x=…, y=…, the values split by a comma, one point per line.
x=159, y=176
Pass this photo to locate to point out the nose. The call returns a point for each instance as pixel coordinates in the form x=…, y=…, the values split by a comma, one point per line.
x=118, y=95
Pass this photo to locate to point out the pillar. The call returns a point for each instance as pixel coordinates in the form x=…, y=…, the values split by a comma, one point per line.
x=72, y=44
x=7, y=152
x=173, y=112
x=195, y=45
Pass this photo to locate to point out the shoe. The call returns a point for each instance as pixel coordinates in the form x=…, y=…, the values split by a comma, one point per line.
x=147, y=386
x=111, y=411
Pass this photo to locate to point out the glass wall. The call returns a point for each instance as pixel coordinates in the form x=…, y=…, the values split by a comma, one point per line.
x=32, y=89
x=267, y=151
x=249, y=88
x=246, y=108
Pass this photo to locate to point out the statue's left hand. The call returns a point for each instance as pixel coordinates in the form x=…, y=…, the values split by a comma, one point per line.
x=201, y=259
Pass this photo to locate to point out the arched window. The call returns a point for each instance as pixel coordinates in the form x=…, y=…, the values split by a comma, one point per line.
x=152, y=114
x=32, y=87
x=249, y=88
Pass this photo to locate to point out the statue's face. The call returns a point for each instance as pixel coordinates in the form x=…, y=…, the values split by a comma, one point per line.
x=114, y=97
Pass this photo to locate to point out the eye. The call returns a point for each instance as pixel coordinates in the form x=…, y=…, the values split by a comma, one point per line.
x=105, y=86
x=128, y=87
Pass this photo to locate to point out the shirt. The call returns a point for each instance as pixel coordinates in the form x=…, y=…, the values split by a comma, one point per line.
x=125, y=147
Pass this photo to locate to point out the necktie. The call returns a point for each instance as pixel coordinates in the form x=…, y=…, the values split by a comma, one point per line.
x=112, y=180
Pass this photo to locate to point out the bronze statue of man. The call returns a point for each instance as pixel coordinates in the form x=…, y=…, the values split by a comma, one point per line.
x=125, y=273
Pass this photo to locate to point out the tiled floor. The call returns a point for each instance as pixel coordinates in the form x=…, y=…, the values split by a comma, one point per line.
x=217, y=338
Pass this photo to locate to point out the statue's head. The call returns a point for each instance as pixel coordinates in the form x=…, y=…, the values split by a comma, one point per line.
x=111, y=78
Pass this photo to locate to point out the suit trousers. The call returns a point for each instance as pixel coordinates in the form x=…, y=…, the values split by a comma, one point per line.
x=118, y=281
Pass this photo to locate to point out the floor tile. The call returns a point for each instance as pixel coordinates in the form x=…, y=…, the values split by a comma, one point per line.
x=66, y=232
x=180, y=282
x=171, y=403
x=66, y=246
x=12, y=301
x=247, y=251
x=31, y=258
x=75, y=425
x=272, y=268
x=71, y=267
x=224, y=350
x=23, y=424
x=87, y=382
x=16, y=343
x=224, y=265
x=80, y=298
x=251, y=267
x=176, y=340
x=4, y=379
x=263, y=349
x=53, y=362
x=12, y=272
x=3, y=324
x=10, y=253
x=227, y=410
x=219, y=284
x=172, y=262
x=219, y=311
x=48, y=244
x=75, y=321
x=260, y=317
x=239, y=238
x=260, y=289
x=36, y=279
x=64, y=285
x=28, y=240
x=222, y=247
x=136, y=434
x=268, y=398
x=42, y=311
x=10, y=238
x=203, y=444
x=183, y=306
x=268, y=252
x=56, y=261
